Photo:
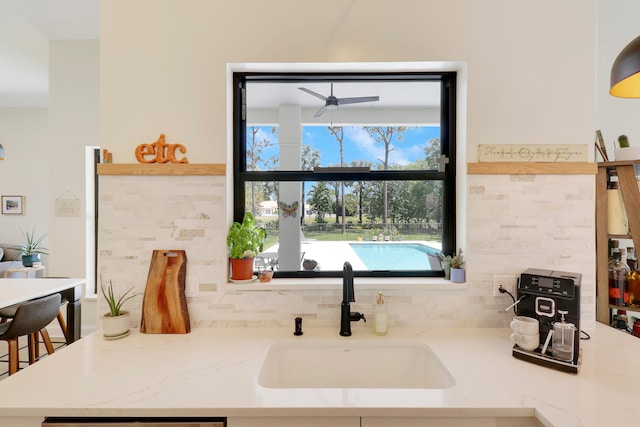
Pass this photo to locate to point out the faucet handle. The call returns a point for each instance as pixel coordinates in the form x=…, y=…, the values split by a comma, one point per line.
x=356, y=316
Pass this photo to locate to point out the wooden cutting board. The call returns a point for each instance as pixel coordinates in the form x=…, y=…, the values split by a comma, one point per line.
x=164, y=307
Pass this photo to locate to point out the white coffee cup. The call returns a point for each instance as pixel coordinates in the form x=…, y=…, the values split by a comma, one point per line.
x=525, y=325
x=526, y=341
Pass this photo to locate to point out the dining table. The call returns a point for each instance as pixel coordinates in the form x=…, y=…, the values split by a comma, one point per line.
x=17, y=290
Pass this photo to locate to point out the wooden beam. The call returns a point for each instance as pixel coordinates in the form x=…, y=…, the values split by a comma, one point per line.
x=161, y=169
x=532, y=168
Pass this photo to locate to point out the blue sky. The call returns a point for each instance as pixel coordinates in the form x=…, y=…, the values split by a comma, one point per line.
x=359, y=145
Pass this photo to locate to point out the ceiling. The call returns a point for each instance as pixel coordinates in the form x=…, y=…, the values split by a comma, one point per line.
x=26, y=27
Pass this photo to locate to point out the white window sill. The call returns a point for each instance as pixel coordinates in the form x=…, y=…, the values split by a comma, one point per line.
x=376, y=283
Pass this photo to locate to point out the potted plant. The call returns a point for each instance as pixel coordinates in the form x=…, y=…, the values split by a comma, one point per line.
x=457, y=270
x=244, y=241
x=115, y=323
x=32, y=248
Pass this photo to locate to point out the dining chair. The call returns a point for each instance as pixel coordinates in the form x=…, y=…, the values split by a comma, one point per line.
x=31, y=317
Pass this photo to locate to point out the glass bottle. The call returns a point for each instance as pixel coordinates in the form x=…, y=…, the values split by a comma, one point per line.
x=632, y=260
x=381, y=316
x=634, y=277
x=618, y=281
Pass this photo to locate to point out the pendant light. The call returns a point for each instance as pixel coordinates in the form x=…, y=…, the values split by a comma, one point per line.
x=1, y=152
x=625, y=72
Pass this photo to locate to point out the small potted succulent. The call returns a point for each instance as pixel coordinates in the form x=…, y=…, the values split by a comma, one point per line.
x=457, y=270
x=244, y=241
x=115, y=323
x=32, y=248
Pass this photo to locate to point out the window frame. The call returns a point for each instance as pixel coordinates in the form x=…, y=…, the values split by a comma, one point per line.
x=447, y=146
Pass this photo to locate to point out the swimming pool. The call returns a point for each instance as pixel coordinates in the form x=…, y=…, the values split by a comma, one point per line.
x=394, y=256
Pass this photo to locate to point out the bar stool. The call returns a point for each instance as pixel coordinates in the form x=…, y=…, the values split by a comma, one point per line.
x=8, y=313
x=31, y=317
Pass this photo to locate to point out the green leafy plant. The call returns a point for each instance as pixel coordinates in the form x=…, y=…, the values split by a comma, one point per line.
x=247, y=239
x=623, y=140
x=457, y=260
x=454, y=261
x=115, y=304
x=33, y=245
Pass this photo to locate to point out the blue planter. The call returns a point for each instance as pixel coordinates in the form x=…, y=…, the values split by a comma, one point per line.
x=28, y=260
x=457, y=275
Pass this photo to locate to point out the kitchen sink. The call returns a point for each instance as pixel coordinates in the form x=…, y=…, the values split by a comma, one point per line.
x=353, y=364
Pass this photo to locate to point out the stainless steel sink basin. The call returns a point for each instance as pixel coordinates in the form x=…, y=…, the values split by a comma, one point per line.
x=353, y=364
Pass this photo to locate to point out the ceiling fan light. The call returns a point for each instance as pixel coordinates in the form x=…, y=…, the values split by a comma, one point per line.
x=332, y=106
x=625, y=72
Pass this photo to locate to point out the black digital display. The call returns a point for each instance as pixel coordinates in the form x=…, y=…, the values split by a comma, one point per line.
x=545, y=282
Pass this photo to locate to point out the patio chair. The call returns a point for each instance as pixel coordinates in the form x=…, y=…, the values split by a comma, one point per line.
x=304, y=238
x=435, y=262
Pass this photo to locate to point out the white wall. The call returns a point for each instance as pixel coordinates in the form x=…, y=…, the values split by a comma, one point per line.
x=617, y=26
x=25, y=171
x=164, y=70
x=74, y=124
x=174, y=79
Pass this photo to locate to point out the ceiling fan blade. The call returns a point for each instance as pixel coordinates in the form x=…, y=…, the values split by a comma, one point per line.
x=342, y=101
x=310, y=92
x=320, y=111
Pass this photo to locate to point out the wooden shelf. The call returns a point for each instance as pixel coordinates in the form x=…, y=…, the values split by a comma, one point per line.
x=633, y=308
x=161, y=169
x=537, y=168
x=628, y=185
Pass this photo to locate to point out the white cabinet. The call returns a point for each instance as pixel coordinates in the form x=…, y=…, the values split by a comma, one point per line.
x=383, y=422
x=450, y=422
x=267, y=421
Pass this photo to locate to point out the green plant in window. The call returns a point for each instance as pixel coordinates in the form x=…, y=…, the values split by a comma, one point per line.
x=246, y=239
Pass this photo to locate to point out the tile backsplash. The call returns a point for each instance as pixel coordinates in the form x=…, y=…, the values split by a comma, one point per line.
x=512, y=223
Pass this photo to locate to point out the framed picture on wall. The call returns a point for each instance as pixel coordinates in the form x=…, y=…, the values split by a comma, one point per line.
x=12, y=205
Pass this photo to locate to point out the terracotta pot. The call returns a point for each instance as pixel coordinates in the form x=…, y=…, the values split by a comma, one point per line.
x=242, y=269
x=265, y=275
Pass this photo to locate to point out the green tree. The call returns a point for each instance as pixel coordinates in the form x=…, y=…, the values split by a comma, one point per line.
x=386, y=135
x=255, y=150
x=359, y=185
x=338, y=133
x=309, y=160
x=320, y=201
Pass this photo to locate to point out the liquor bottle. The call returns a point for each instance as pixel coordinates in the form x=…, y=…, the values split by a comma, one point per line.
x=618, y=281
x=632, y=260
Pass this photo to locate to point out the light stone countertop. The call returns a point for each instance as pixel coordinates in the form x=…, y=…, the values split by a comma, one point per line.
x=214, y=372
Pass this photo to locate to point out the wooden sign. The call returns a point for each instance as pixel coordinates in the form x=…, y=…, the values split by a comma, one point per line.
x=161, y=152
x=532, y=153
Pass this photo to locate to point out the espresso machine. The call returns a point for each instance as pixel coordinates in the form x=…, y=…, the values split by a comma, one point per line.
x=552, y=297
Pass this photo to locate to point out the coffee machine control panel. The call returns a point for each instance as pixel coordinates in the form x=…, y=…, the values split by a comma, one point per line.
x=549, y=282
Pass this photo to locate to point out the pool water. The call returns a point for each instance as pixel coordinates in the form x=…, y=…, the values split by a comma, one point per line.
x=394, y=256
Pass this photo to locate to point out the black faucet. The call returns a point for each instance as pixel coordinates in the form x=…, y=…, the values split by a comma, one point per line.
x=348, y=296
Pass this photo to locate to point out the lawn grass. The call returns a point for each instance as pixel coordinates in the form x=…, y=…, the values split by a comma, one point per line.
x=330, y=231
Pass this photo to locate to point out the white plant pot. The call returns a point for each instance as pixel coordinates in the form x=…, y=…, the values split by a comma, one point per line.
x=627, y=153
x=114, y=327
x=457, y=275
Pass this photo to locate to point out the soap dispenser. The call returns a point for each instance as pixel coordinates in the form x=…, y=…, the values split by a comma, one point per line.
x=381, y=316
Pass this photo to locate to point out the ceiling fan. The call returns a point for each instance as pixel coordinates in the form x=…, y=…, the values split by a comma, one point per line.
x=331, y=102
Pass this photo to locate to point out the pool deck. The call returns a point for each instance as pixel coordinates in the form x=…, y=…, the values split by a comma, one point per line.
x=331, y=255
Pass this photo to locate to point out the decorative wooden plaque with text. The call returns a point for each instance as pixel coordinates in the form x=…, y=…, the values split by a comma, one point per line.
x=532, y=153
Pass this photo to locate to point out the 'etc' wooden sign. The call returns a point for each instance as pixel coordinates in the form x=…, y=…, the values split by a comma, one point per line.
x=161, y=152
